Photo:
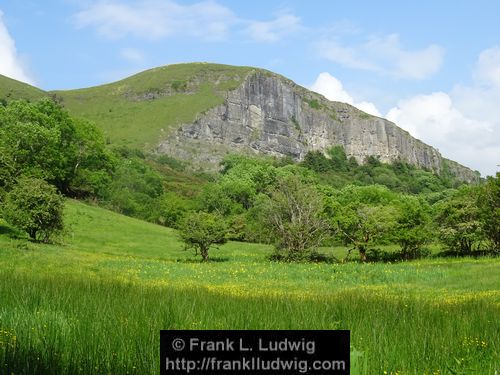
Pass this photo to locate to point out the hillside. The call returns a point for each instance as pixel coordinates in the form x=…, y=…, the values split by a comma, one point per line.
x=140, y=110
x=10, y=89
x=200, y=112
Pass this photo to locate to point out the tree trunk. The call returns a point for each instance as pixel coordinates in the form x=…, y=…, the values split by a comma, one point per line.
x=204, y=253
x=362, y=253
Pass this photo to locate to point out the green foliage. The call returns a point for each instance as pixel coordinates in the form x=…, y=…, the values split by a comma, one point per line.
x=459, y=221
x=135, y=189
x=94, y=164
x=293, y=215
x=171, y=162
x=35, y=207
x=7, y=169
x=213, y=199
x=412, y=228
x=179, y=86
x=338, y=158
x=200, y=231
x=363, y=216
x=171, y=209
x=314, y=104
x=338, y=170
x=317, y=161
x=489, y=210
x=41, y=140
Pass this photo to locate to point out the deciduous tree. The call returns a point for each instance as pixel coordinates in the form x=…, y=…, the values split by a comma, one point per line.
x=34, y=206
x=200, y=231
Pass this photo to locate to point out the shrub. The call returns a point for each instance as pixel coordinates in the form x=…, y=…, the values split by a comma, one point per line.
x=201, y=230
x=35, y=207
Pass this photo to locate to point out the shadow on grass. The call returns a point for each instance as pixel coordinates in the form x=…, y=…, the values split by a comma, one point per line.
x=198, y=260
x=8, y=231
x=471, y=254
x=307, y=257
x=11, y=232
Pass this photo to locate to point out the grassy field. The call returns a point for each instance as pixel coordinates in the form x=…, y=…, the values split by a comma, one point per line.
x=96, y=303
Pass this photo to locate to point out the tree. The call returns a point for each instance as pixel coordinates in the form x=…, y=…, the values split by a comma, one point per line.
x=363, y=225
x=489, y=206
x=293, y=215
x=201, y=230
x=44, y=141
x=35, y=207
x=317, y=161
x=338, y=158
x=363, y=216
x=458, y=220
x=411, y=230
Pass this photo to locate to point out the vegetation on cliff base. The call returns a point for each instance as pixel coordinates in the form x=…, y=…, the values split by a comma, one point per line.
x=259, y=199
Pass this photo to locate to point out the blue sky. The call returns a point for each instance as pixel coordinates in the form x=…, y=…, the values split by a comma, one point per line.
x=433, y=67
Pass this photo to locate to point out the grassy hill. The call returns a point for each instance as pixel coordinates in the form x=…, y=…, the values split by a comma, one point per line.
x=137, y=110
x=98, y=300
x=10, y=89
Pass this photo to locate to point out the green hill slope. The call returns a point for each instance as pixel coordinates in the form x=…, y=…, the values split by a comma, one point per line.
x=135, y=111
x=10, y=89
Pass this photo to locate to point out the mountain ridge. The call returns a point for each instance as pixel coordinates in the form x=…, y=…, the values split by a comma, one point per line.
x=199, y=112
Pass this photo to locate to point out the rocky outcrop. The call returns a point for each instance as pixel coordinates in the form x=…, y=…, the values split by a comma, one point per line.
x=268, y=114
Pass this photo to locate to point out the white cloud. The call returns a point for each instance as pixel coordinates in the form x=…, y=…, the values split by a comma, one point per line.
x=275, y=30
x=332, y=89
x=434, y=119
x=488, y=67
x=132, y=55
x=464, y=124
x=155, y=19
x=385, y=55
x=10, y=62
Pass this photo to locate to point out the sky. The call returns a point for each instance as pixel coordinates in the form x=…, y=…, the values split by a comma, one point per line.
x=432, y=67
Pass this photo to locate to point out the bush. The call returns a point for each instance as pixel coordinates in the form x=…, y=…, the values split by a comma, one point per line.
x=35, y=207
x=201, y=230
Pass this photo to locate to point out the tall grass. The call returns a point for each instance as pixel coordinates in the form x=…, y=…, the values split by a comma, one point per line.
x=61, y=325
x=96, y=303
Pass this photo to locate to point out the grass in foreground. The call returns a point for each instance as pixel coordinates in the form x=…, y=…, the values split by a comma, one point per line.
x=97, y=303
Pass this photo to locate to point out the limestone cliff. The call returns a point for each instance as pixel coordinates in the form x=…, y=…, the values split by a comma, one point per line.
x=269, y=114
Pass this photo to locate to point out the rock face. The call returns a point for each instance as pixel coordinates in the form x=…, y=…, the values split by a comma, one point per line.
x=268, y=114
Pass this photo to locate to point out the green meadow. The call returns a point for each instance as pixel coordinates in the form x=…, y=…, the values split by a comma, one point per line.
x=95, y=302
